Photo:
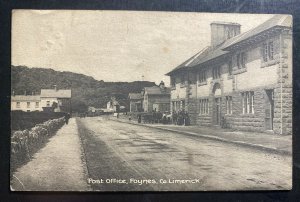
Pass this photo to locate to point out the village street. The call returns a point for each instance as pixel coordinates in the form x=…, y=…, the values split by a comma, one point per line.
x=124, y=151
x=96, y=153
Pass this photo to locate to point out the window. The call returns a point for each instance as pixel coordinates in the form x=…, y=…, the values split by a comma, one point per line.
x=48, y=103
x=241, y=60
x=18, y=105
x=271, y=50
x=173, y=81
x=182, y=79
x=204, y=106
x=228, y=105
x=28, y=104
x=268, y=51
x=216, y=72
x=230, y=67
x=202, y=76
x=248, y=102
x=192, y=78
x=37, y=104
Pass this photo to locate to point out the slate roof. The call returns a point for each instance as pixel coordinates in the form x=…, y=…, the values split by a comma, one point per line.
x=209, y=53
x=275, y=21
x=155, y=90
x=135, y=96
x=56, y=93
x=25, y=98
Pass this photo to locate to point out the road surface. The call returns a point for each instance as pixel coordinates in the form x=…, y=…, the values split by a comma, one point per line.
x=126, y=157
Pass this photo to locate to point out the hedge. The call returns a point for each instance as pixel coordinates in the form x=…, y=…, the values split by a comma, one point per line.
x=26, y=142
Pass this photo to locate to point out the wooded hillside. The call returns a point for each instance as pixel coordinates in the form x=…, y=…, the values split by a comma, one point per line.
x=86, y=91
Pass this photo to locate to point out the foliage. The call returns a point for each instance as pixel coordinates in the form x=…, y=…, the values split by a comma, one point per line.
x=25, y=120
x=86, y=91
x=25, y=143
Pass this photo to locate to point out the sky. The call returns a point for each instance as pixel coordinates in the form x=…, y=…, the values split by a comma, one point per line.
x=115, y=45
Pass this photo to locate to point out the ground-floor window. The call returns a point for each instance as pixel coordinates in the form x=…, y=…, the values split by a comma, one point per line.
x=248, y=102
x=37, y=104
x=18, y=105
x=228, y=104
x=204, y=106
x=48, y=103
x=28, y=104
x=178, y=105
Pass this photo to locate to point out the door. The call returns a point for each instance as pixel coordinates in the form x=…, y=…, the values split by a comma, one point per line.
x=217, y=111
x=269, y=109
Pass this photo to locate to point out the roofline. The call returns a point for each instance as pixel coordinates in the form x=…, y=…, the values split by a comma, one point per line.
x=225, y=23
x=233, y=44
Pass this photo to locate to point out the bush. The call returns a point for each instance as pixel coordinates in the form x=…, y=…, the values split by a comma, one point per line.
x=26, y=142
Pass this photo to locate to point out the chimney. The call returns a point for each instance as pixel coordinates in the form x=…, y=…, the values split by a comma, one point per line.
x=162, y=85
x=222, y=31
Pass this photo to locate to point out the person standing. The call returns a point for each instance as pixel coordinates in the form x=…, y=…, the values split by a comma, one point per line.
x=67, y=117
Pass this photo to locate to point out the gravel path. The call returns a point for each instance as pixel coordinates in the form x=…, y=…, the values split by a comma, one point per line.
x=56, y=167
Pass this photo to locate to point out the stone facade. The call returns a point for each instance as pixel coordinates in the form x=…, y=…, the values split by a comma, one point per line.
x=253, y=79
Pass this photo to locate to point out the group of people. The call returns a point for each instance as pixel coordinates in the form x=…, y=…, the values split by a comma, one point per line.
x=181, y=118
x=177, y=118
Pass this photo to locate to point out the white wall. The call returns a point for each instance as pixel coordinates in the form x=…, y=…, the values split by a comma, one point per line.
x=23, y=106
x=44, y=101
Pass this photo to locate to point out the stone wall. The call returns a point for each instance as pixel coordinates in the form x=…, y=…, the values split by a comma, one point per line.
x=247, y=122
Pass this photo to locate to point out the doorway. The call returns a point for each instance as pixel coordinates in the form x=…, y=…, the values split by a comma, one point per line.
x=269, y=109
x=217, y=111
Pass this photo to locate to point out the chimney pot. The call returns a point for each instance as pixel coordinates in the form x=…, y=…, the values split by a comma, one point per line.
x=222, y=31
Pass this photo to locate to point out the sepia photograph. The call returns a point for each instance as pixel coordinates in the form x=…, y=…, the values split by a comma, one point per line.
x=105, y=100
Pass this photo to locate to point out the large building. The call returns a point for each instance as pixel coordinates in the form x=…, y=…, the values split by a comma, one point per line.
x=241, y=79
x=156, y=98
x=58, y=100
x=136, y=102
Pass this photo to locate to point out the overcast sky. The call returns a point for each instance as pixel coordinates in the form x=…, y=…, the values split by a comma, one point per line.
x=114, y=45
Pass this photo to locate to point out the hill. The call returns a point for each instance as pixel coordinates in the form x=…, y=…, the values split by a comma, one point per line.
x=86, y=91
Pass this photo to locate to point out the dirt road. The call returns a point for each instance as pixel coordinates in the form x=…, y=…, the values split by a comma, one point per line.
x=125, y=157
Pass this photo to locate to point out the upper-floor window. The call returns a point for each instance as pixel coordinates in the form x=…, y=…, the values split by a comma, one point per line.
x=192, y=78
x=48, y=103
x=18, y=105
x=241, y=60
x=268, y=51
x=216, y=72
x=182, y=78
x=28, y=104
x=173, y=81
x=230, y=67
x=202, y=76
